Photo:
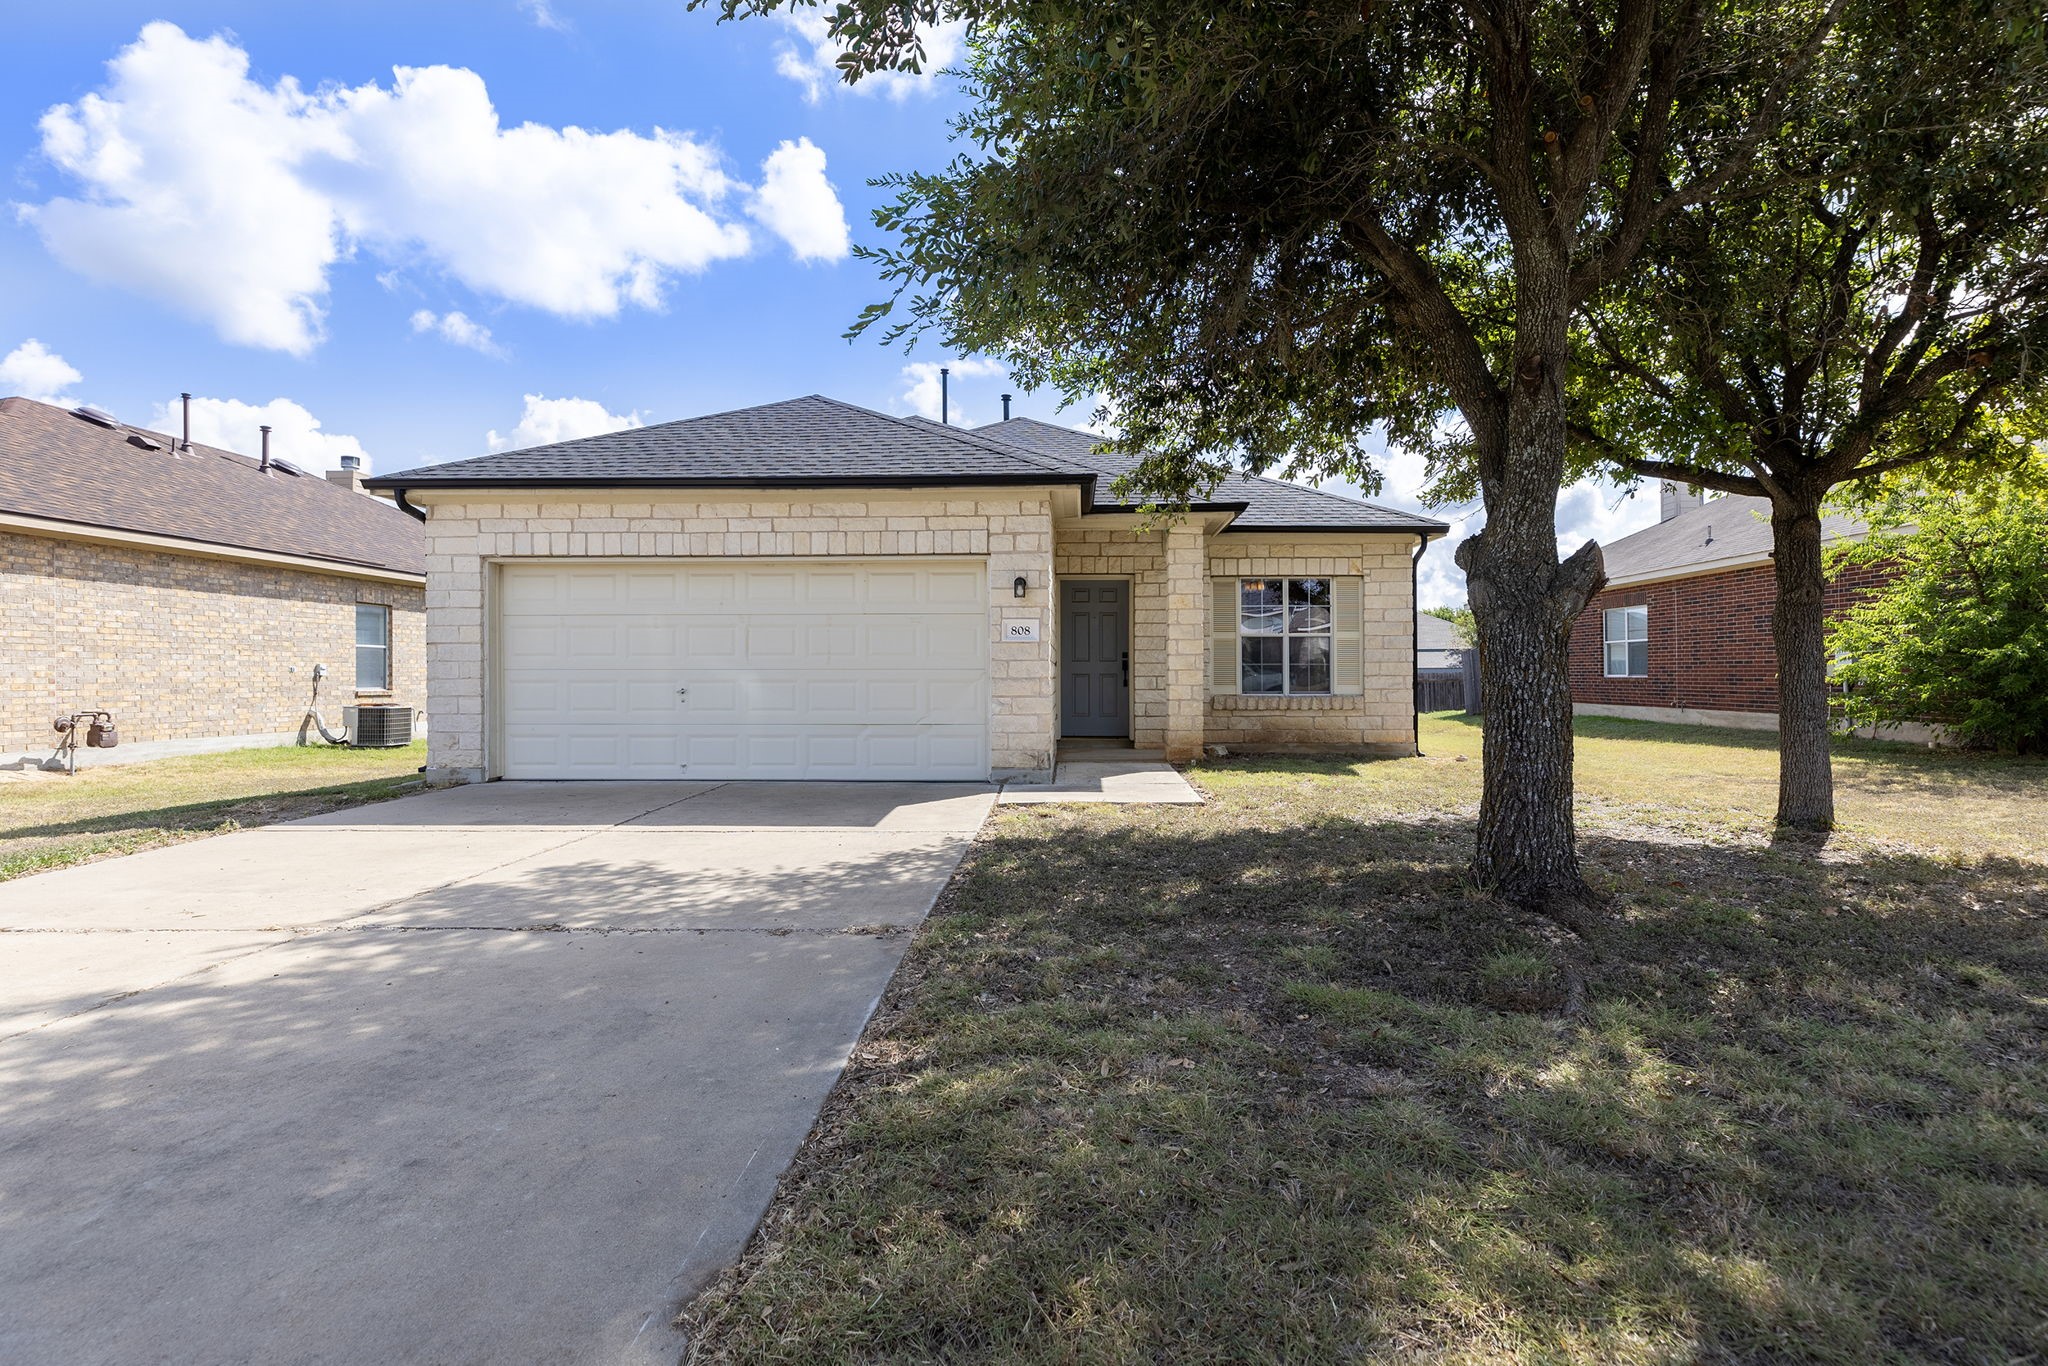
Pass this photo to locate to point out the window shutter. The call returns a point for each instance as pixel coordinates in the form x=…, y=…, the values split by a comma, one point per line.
x=1223, y=635
x=1347, y=629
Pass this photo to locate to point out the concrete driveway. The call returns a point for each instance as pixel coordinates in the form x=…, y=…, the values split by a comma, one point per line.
x=495, y=1074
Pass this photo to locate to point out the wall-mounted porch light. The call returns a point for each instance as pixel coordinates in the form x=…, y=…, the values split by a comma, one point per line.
x=1019, y=586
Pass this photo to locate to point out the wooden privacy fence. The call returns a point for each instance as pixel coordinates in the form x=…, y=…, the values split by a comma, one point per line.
x=1440, y=690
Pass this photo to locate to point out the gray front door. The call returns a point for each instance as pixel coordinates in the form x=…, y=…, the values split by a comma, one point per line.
x=1095, y=657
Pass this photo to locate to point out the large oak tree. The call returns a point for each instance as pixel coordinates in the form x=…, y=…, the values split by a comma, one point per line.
x=1878, y=301
x=1265, y=231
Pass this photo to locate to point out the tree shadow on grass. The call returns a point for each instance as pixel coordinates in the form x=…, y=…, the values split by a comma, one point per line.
x=1159, y=1085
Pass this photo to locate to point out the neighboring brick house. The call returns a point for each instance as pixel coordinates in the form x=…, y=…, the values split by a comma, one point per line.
x=812, y=590
x=1682, y=632
x=190, y=591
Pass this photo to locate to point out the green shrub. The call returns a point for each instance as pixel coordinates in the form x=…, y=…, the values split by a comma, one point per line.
x=1959, y=634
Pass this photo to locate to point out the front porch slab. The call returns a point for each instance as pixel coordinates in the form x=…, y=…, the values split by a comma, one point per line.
x=1125, y=781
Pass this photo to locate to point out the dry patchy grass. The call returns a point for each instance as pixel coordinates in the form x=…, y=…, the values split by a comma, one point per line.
x=50, y=820
x=1266, y=1080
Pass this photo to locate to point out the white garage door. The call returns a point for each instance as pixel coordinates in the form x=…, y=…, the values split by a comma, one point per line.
x=857, y=669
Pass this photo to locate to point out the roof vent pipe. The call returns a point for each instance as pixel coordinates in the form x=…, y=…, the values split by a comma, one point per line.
x=264, y=463
x=945, y=380
x=186, y=400
x=1006, y=407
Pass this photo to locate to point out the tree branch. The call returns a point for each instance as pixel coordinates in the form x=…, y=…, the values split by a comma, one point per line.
x=1705, y=477
x=1968, y=408
x=1420, y=295
x=1919, y=292
x=1635, y=26
x=1650, y=210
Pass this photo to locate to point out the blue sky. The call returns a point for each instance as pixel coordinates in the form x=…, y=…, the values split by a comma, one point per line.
x=421, y=232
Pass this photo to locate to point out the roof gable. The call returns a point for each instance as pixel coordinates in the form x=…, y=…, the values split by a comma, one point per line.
x=60, y=467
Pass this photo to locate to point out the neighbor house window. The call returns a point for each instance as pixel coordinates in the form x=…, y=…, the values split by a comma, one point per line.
x=1626, y=631
x=373, y=647
x=1283, y=635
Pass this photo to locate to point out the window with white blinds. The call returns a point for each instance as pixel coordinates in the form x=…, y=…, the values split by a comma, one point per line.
x=1286, y=636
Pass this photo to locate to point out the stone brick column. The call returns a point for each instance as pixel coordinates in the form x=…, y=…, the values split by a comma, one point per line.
x=455, y=642
x=1186, y=635
x=1021, y=729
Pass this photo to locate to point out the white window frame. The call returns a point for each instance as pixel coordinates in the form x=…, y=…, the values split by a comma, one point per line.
x=384, y=645
x=1634, y=622
x=1286, y=633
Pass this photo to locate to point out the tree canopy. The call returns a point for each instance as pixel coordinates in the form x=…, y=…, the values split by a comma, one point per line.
x=1878, y=298
x=1262, y=232
x=1875, y=299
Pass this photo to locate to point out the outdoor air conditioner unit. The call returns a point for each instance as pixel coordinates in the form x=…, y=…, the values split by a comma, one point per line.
x=378, y=725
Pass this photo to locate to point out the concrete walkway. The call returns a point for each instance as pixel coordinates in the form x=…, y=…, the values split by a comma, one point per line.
x=1102, y=777
x=496, y=1074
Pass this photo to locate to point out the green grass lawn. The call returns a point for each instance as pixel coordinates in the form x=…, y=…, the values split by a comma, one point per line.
x=1267, y=1080
x=50, y=820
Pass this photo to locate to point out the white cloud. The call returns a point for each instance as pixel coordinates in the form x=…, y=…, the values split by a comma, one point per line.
x=543, y=15
x=233, y=201
x=921, y=388
x=192, y=189
x=798, y=204
x=233, y=425
x=33, y=370
x=548, y=420
x=809, y=57
x=458, y=329
x=1593, y=510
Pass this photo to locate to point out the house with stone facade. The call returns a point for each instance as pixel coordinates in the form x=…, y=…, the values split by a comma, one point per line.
x=190, y=591
x=809, y=589
x=1682, y=631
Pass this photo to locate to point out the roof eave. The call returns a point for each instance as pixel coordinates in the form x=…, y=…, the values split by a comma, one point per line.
x=396, y=482
x=38, y=524
x=1431, y=530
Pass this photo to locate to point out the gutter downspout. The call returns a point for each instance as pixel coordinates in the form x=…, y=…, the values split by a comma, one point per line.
x=1415, y=633
x=417, y=514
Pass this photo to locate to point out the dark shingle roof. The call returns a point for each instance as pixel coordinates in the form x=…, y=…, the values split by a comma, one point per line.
x=1269, y=504
x=1720, y=533
x=819, y=442
x=58, y=466
x=813, y=440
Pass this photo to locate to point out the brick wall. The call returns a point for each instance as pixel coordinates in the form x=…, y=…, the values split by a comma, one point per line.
x=1012, y=528
x=180, y=647
x=1381, y=718
x=1710, y=641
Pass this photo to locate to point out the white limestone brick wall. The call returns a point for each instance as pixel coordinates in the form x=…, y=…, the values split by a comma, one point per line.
x=1187, y=626
x=1084, y=552
x=1381, y=719
x=468, y=530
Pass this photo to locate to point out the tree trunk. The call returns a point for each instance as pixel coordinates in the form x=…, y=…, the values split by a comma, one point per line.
x=1525, y=602
x=1527, y=850
x=1806, y=780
